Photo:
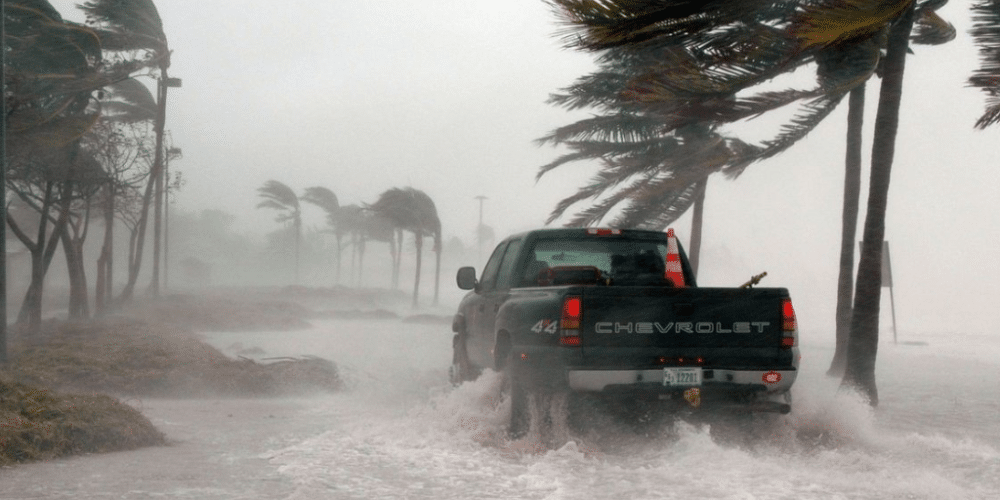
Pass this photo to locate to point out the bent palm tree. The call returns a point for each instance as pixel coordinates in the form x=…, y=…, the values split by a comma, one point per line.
x=412, y=210
x=929, y=29
x=125, y=26
x=822, y=31
x=280, y=197
x=327, y=201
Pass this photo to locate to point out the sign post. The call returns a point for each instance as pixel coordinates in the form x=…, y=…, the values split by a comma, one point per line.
x=887, y=282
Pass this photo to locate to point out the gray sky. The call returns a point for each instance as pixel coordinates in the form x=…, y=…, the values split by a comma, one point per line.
x=447, y=97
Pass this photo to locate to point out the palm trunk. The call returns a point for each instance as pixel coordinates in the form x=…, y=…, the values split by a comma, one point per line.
x=397, y=263
x=362, y=244
x=697, y=221
x=297, y=223
x=862, y=347
x=437, y=267
x=416, y=280
x=392, y=255
x=848, y=227
x=339, y=250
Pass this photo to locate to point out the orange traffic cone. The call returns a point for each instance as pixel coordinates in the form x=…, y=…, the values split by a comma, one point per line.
x=673, y=272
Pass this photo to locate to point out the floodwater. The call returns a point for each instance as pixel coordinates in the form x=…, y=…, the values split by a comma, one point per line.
x=401, y=431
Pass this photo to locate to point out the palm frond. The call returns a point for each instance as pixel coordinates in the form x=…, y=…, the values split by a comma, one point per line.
x=409, y=209
x=659, y=212
x=278, y=196
x=129, y=101
x=930, y=29
x=798, y=127
x=622, y=127
x=136, y=23
x=321, y=197
x=834, y=21
x=603, y=24
x=986, y=35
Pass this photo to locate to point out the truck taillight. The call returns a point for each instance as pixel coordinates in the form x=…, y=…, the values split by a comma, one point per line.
x=788, y=325
x=569, y=323
x=603, y=232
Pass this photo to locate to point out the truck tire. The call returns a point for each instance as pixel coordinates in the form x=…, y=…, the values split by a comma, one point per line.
x=520, y=418
x=461, y=369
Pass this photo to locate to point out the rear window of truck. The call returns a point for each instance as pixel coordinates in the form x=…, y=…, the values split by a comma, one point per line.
x=619, y=261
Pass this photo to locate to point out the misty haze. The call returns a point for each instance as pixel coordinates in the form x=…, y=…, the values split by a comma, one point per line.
x=279, y=316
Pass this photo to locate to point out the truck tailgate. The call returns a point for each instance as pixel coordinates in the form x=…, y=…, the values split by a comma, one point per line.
x=656, y=326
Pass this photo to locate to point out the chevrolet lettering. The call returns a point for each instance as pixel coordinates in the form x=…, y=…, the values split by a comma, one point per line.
x=680, y=327
x=616, y=316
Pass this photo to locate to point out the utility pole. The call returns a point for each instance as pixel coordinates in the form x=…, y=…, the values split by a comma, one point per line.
x=479, y=228
x=3, y=188
x=173, y=153
x=163, y=83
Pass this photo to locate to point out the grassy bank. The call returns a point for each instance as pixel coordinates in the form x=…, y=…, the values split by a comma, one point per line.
x=59, y=391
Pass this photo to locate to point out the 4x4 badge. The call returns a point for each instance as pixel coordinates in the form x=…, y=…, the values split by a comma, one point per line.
x=547, y=326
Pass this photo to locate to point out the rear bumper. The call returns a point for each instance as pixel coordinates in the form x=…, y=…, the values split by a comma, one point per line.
x=739, y=390
x=766, y=381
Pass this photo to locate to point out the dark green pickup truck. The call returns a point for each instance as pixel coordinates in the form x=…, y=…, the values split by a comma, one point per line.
x=617, y=313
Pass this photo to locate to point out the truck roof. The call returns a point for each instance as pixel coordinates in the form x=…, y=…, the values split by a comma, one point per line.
x=584, y=231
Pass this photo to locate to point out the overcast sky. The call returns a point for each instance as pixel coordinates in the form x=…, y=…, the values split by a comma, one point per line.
x=447, y=96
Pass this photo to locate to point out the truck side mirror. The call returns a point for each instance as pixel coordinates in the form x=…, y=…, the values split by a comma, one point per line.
x=466, y=278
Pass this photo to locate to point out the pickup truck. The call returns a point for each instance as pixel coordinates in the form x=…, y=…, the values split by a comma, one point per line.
x=617, y=313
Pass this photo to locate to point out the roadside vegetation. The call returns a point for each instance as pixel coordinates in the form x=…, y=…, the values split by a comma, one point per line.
x=66, y=389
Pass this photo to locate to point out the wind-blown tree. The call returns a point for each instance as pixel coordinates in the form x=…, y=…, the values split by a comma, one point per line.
x=282, y=198
x=661, y=106
x=370, y=226
x=930, y=29
x=327, y=201
x=88, y=180
x=412, y=210
x=118, y=141
x=349, y=223
x=43, y=184
x=796, y=33
x=126, y=26
x=50, y=71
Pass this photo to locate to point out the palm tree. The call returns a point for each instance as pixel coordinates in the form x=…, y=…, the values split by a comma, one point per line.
x=661, y=104
x=135, y=25
x=373, y=227
x=848, y=230
x=282, y=198
x=349, y=222
x=930, y=29
x=824, y=32
x=862, y=348
x=412, y=210
x=327, y=201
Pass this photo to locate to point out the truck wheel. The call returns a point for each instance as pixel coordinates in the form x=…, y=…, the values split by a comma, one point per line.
x=461, y=369
x=520, y=419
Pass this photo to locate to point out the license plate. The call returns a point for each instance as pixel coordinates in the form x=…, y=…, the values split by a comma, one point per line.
x=681, y=377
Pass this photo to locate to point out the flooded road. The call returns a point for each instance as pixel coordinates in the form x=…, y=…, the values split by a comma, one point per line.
x=401, y=431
